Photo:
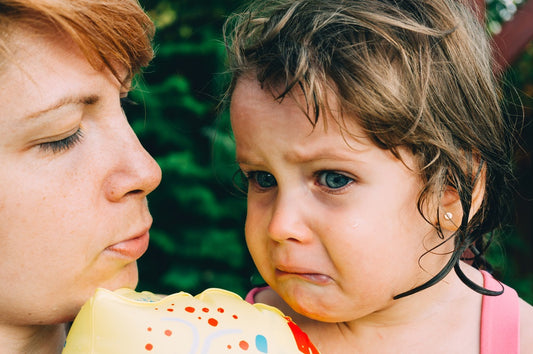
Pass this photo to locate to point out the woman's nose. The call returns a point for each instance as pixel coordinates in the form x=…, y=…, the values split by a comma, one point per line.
x=135, y=172
x=288, y=220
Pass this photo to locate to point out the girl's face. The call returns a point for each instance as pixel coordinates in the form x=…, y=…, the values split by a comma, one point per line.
x=332, y=221
x=74, y=177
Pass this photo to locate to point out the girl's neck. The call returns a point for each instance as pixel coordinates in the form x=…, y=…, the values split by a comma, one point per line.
x=446, y=316
x=448, y=312
x=32, y=339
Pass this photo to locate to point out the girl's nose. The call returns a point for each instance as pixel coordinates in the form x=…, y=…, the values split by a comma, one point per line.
x=288, y=220
x=135, y=173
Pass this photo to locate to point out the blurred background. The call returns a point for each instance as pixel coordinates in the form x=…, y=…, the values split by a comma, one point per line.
x=197, y=238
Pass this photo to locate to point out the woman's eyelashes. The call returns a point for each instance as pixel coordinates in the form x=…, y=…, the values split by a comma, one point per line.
x=329, y=179
x=62, y=144
x=126, y=102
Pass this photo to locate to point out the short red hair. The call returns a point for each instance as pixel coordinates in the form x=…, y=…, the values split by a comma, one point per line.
x=109, y=32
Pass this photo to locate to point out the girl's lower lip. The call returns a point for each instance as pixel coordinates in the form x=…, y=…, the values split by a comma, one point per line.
x=315, y=278
x=133, y=248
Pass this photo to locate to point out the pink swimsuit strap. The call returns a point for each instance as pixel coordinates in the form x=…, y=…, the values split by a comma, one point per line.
x=500, y=319
x=251, y=294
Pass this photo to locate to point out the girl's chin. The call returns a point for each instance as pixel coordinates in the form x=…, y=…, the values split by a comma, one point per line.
x=315, y=305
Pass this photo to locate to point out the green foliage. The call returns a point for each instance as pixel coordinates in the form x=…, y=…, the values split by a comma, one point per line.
x=500, y=11
x=514, y=261
x=197, y=237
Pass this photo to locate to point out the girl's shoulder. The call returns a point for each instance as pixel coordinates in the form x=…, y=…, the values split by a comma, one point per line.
x=526, y=327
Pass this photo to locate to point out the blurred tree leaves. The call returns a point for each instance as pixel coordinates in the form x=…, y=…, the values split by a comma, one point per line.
x=500, y=11
x=197, y=239
x=514, y=258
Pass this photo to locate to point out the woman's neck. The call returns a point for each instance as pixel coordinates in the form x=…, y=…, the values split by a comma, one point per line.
x=47, y=339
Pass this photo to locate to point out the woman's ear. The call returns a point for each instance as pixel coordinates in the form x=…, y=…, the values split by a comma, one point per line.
x=451, y=212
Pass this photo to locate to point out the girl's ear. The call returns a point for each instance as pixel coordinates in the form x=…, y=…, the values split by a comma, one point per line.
x=451, y=212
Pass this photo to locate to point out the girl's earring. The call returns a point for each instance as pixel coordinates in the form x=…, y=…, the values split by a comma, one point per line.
x=449, y=217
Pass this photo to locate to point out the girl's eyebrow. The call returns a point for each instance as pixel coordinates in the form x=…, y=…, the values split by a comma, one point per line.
x=65, y=101
x=308, y=158
x=319, y=156
x=345, y=153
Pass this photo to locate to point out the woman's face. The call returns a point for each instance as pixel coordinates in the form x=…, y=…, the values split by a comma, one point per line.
x=332, y=223
x=74, y=177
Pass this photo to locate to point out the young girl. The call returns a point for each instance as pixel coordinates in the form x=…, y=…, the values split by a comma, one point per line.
x=378, y=160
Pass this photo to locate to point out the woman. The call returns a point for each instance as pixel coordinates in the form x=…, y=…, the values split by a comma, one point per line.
x=73, y=210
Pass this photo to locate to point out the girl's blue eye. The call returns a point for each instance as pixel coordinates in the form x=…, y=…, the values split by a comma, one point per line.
x=333, y=180
x=262, y=179
x=63, y=144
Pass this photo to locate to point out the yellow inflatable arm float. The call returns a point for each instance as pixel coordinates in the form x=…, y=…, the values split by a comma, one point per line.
x=213, y=322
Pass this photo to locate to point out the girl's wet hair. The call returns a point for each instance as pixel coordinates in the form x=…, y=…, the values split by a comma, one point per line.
x=112, y=34
x=414, y=74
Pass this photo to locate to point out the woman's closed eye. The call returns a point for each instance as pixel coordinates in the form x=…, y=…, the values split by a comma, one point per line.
x=126, y=102
x=333, y=180
x=127, y=105
x=62, y=144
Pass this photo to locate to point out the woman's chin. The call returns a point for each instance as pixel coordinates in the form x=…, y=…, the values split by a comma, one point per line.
x=127, y=277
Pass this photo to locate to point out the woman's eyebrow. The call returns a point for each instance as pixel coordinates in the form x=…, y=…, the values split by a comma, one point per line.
x=64, y=101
